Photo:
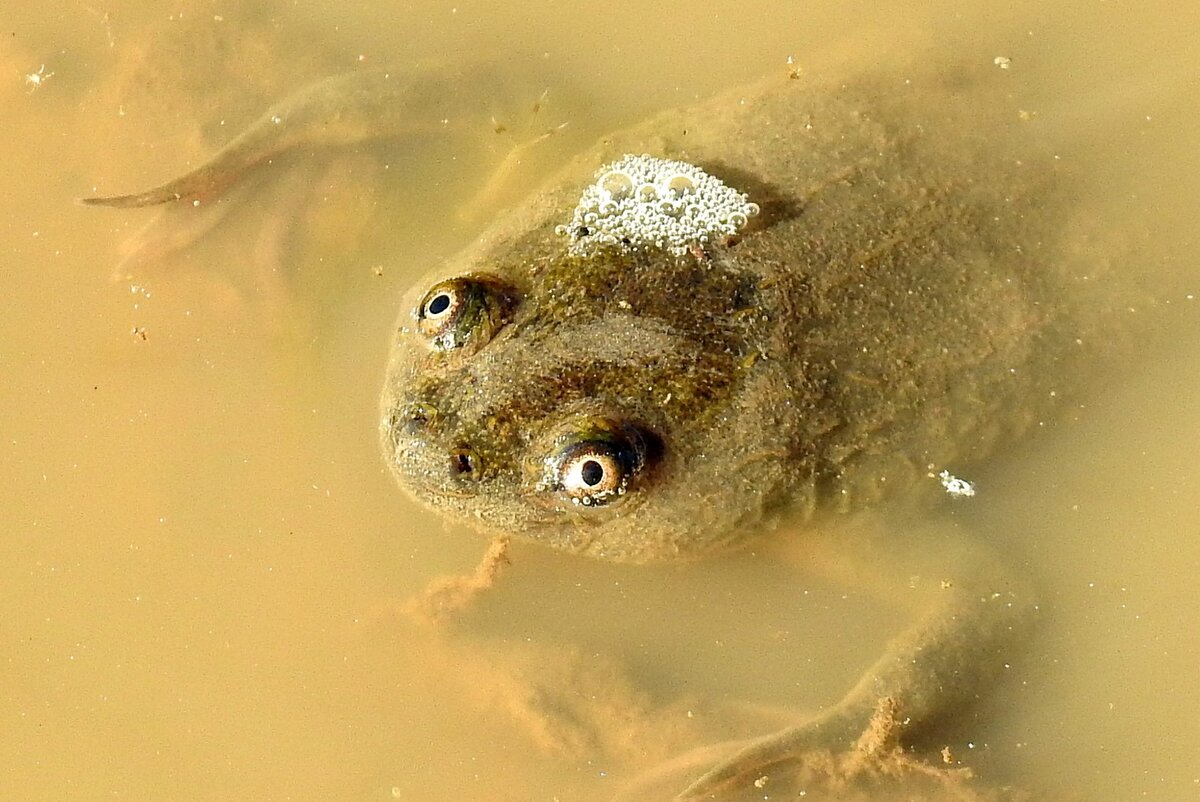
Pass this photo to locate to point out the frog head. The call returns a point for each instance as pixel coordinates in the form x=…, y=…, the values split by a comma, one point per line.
x=622, y=404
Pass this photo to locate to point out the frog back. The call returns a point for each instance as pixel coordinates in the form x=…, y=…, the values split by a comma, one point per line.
x=903, y=301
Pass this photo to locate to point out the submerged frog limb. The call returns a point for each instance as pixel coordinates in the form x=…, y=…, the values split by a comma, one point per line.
x=352, y=145
x=339, y=111
x=933, y=670
x=876, y=766
x=448, y=596
x=351, y=109
x=504, y=176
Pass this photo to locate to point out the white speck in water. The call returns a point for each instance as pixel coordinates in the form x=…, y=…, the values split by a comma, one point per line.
x=37, y=79
x=959, y=488
x=1003, y=62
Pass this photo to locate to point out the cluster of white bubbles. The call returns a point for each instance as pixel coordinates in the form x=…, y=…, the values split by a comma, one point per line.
x=641, y=202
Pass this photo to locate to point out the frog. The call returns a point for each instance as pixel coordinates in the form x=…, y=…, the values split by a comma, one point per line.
x=883, y=314
x=900, y=292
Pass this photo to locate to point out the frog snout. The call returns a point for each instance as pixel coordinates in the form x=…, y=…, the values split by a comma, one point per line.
x=414, y=419
x=423, y=444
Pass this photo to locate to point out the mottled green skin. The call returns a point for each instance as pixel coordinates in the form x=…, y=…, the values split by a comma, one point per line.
x=895, y=308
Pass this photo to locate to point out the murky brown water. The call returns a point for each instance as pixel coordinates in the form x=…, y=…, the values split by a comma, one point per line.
x=201, y=553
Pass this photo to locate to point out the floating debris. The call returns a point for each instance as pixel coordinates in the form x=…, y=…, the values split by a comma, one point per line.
x=641, y=202
x=1003, y=62
x=37, y=79
x=959, y=488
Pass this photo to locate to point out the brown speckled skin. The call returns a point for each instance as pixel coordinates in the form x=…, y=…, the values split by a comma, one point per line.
x=894, y=308
x=913, y=294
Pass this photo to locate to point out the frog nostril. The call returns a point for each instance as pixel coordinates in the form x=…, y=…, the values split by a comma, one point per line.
x=417, y=416
x=464, y=464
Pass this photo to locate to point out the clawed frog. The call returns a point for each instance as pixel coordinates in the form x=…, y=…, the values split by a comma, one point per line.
x=898, y=302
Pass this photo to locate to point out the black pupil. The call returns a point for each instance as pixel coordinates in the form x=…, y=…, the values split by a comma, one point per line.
x=438, y=304
x=592, y=473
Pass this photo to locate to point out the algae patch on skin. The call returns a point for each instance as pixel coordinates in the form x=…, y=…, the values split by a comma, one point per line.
x=642, y=202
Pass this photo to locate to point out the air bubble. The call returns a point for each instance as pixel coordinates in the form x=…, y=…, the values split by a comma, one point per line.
x=643, y=203
x=617, y=184
x=647, y=193
x=680, y=185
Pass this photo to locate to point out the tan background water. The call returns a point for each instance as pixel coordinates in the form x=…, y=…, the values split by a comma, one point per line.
x=199, y=545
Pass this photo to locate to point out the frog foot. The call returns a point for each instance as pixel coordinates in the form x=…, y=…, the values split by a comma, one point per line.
x=874, y=766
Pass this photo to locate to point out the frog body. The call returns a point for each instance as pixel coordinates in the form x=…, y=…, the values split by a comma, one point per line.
x=889, y=312
x=909, y=295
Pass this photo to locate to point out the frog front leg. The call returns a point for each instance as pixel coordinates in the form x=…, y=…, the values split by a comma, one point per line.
x=933, y=669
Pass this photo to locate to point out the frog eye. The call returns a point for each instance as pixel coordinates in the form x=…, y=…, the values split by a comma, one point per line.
x=462, y=311
x=592, y=476
x=597, y=463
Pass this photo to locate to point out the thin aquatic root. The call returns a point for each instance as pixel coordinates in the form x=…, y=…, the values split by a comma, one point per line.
x=449, y=595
